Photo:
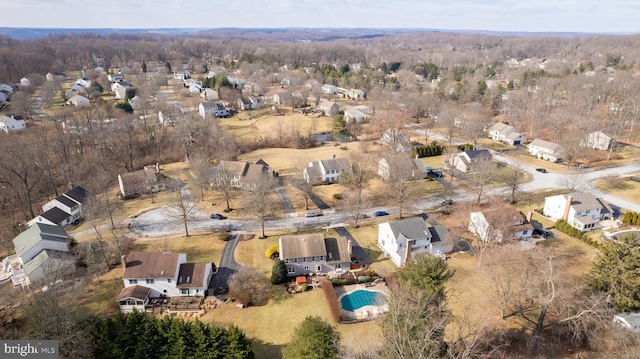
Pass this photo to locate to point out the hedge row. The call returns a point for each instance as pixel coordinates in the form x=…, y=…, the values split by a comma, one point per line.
x=427, y=151
x=566, y=228
x=631, y=218
x=332, y=300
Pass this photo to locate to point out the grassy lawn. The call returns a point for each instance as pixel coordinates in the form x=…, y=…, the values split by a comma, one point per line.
x=524, y=156
x=626, y=188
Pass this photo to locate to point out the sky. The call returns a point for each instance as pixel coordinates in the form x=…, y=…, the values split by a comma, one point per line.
x=590, y=16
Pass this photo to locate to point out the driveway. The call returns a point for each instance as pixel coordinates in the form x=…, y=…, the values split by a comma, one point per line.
x=227, y=266
x=356, y=249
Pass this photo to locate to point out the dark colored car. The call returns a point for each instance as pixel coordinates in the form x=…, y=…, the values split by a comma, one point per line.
x=542, y=170
x=447, y=202
x=217, y=216
x=380, y=213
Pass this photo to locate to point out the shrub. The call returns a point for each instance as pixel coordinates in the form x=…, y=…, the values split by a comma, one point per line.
x=337, y=196
x=566, y=228
x=272, y=252
x=338, y=282
x=305, y=286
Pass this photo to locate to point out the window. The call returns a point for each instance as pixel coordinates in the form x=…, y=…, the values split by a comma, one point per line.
x=286, y=260
x=291, y=269
x=306, y=267
x=313, y=259
x=319, y=268
x=150, y=281
x=304, y=260
x=133, y=281
x=295, y=260
x=169, y=280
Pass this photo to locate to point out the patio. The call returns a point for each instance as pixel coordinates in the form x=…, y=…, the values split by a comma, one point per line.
x=174, y=305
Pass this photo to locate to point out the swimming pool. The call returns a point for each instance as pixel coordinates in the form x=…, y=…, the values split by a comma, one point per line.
x=361, y=298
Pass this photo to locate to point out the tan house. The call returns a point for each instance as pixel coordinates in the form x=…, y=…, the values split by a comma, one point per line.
x=241, y=174
x=546, y=150
x=597, y=140
x=312, y=253
x=148, y=179
x=329, y=108
x=470, y=161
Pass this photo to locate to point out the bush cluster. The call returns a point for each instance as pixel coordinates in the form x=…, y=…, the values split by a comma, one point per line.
x=566, y=228
x=631, y=218
x=427, y=151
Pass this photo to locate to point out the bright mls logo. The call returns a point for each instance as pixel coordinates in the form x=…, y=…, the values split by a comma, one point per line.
x=29, y=349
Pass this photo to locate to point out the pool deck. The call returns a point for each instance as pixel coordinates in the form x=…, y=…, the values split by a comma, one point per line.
x=369, y=312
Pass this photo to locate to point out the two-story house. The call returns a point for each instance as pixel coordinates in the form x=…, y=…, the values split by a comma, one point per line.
x=403, y=239
x=120, y=88
x=44, y=255
x=401, y=166
x=11, y=123
x=597, y=140
x=546, y=150
x=148, y=179
x=312, y=253
x=582, y=211
x=64, y=209
x=506, y=133
x=161, y=274
x=353, y=115
x=329, y=108
x=471, y=161
x=240, y=174
x=326, y=170
x=499, y=224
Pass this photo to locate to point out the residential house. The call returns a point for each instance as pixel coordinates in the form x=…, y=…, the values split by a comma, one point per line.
x=581, y=211
x=165, y=119
x=402, y=240
x=353, y=115
x=44, y=254
x=470, y=161
x=311, y=84
x=182, y=75
x=355, y=94
x=240, y=174
x=25, y=82
x=328, y=89
x=120, y=88
x=79, y=101
x=329, y=108
x=64, y=209
x=629, y=320
x=209, y=94
x=597, y=140
x=216, y=109
x=506, y=133
x=326, y=170
x=160, y=274
x=115, y=77
x=393, y=137
x=312, y=253
x=195, y=87
x=499, y=224
x=136, y=102
x=546, y=150
x=148, y=179
x=77, y=88
x=6, y=88
x=282, y=98
x=59, y=76
x=401, y=165
x=4, y=96
x=84, y=82
x=11, y=123
x=248, y=103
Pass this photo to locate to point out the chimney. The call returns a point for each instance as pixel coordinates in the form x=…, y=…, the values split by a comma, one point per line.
x=349, y=248
x=123, y=260
x=529, y=215
x=407, y=254
x=565, y=216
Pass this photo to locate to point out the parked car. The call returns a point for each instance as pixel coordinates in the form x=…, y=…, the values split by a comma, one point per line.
x=541, y=170
x=311, y=214
x=447, y=202
x=542, y=232
x=380, y=213
x=217, y=216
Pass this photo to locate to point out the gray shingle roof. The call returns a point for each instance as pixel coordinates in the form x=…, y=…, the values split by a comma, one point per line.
x=37, y=232
x=412, y=228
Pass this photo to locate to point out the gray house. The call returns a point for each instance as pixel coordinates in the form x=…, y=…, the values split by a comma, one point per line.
x=312, y=253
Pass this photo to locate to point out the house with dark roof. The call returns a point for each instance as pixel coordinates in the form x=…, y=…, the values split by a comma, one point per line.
x=312, y=253
x=326, y=170
x=64, y=209
x=470, y=161
x=402, y=240
x=498, y=224
x=581, y=211
x=148, y=179
x=163, y=274
x=11, y=123
x=44, y=254
x=401, y=165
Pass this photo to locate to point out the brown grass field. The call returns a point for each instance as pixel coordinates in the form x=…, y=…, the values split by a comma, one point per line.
x=629, y=190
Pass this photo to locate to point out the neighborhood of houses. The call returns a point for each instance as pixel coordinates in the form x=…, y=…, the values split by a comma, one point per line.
x=166, y=282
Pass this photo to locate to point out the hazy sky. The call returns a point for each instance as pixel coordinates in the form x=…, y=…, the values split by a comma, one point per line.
x=515, y=15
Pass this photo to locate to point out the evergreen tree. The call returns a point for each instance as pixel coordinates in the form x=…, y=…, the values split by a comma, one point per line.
x=616, y=272
x=426, y=272
x=279, y=272
x=313, y=339
x=144, y=66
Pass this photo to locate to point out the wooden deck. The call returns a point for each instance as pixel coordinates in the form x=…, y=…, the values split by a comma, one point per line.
x=174, y=305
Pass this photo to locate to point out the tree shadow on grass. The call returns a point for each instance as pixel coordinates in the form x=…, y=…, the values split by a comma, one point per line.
x=264, y=350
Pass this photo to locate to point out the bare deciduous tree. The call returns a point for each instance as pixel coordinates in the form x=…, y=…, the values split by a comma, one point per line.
x=261, y=196
x=181, y=205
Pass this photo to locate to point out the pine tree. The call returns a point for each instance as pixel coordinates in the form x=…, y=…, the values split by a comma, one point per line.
x=279, y=272
x=313, y=339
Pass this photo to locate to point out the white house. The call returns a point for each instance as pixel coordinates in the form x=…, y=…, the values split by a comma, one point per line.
x=115, y=77
x=182, y=75
x=546, y=150
x=402, y=240
x=166, y=274
x=64, y=209
x=165, y=119
x=582, y=211
x=7, y=88
x=470, y=161
x=393, y=137
x=25, y=82
x=136, y=102
x=505, y=133
x=629, y=320
x=326, y=170
x=209, y=94
x=216, y=109
x=355, y=94
x=84, y=82
x=353, y=115
x=329, y=108
x=11, y=123
x=328, y=89
x=120, y=88
x=50, y=76
x=78, y=101
x=195, y=87
x=597, y=140
x=499, y=224
x=414, y=169
x=44, y=254
x=312, y=253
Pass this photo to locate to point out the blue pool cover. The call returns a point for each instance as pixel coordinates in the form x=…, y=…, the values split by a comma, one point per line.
x=361, y=298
